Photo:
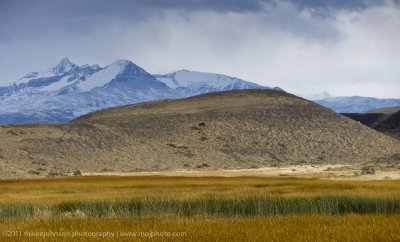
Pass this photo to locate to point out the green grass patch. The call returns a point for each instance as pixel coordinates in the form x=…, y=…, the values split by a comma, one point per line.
x=209, y=206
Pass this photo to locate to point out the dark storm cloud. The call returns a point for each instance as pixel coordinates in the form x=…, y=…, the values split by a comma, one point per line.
x=126, y=7
x=39, y=17
x=46, y=13
x=140, y=8
x=336, y=4
x=328, y=8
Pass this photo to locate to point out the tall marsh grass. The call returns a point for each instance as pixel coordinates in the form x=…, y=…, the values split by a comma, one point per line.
x=215, y=206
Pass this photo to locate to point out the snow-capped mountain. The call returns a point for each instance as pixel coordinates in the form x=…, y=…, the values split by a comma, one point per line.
x=193, y=82
x=356, y=104
x=66, y=90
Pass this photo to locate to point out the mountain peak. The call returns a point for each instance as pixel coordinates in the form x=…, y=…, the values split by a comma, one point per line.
x=65, y=65
x=65, y=60
x=127, y=67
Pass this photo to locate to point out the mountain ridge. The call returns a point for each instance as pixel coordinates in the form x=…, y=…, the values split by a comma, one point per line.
x=195, y=82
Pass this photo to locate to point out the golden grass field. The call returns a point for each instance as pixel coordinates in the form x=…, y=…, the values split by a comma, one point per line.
x=221, y=225
x=50, y=191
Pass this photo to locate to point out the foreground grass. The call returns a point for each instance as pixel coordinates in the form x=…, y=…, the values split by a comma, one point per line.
x=205, y=209
x=277, y=228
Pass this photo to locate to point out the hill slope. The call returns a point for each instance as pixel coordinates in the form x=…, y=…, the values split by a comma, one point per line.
x=234, y=129
x=386, y=120
x=390, y=125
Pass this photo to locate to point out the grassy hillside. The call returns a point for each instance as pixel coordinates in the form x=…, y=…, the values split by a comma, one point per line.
x=235, y=129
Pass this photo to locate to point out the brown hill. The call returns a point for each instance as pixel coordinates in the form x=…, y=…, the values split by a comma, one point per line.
x=234, y=129
x=386, y=120
x=391, y=125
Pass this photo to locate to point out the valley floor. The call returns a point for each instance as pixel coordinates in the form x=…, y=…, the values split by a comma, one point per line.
x=321, y=171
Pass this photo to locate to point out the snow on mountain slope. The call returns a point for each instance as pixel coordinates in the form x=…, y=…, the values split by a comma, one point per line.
x=102, y=77
x=63, y=82
x=193, y=82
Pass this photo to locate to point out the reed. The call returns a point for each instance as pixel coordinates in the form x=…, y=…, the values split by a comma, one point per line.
x=215, y=206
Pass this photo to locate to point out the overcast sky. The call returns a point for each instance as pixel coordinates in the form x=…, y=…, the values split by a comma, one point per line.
x=345, y=47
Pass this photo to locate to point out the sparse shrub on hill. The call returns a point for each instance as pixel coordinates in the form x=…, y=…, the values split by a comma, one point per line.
x=204, y=165
x=367, y=170
x=77, y=173
x=31, y=172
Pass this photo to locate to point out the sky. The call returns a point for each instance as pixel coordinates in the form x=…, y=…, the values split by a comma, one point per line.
x=344, y=47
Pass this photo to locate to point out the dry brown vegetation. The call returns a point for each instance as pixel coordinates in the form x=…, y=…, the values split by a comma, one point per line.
x=231, y=130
